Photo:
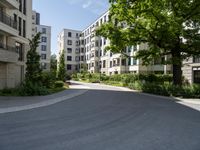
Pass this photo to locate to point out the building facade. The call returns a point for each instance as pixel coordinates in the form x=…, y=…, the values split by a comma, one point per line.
x=69, y=43
x=94, y=58
x=44, y=48
x=191, y=69
x=15, y=30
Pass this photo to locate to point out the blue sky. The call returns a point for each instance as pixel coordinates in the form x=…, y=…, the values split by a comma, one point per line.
x=73, y=14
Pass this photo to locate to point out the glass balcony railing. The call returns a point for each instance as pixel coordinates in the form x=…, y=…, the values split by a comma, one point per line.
x=8, y=20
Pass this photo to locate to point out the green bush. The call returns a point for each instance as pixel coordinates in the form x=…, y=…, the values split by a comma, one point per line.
x=32, y=89
x=68, y=77
x=59, y=84
x=48, y=79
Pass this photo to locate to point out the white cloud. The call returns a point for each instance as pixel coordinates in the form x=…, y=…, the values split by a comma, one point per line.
x=95, y=6
x=88, y=4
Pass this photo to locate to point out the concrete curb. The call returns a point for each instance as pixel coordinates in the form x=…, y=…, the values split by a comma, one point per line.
x=41, y=104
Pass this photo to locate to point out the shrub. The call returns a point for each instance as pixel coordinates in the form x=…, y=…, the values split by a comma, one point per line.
x=68, y=77
x=48, y=79
x=59, y=84
x=32, y=89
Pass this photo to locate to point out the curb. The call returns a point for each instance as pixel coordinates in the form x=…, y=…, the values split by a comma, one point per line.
x=41, y=104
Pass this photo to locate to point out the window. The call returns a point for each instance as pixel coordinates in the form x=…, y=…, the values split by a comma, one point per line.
x=43, y=56
x=24, y=28
x=77, y=50
x=135, y=48
x=20, y=51
x=134, y=61
x=44, y=31
x=77, y=43
x=69, y=34
x=104, y=63
x=69, y=50
x=69, y=42
x=123, y=62
x=110, y=64
x=69, y=67
x=104, y=41
x=129, y=49
x=77, y=58
x=44, y=39
x=24, y=10
x=82, y=58
x=20, y=26
x=77, y=35
x=196, y=74
x=82, y=50
x=129, y=61
x=69, y=58
x=43, y=47
x=196, y=59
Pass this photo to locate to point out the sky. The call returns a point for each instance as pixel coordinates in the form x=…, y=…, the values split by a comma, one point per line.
x=71, y=14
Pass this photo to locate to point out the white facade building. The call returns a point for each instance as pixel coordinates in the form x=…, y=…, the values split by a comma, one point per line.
x=15, y=30
x=44, y=48
x=97, y=59
x=69, y=43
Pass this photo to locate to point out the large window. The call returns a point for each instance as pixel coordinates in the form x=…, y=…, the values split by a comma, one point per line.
x=196, y=76
x=43, y=47
x=69, y=58
x=43, y=56
x=69, y=34
x=69, y=50
x=19, y=49
x=44, y=39
x=69, y=42
x=44, y=31
x=69, y=67
x=196, y=59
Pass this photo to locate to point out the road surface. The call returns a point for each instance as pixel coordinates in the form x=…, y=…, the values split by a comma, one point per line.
x=103, y=118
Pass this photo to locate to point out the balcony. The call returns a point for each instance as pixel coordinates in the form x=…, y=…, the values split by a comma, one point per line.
x=8, y=53
x=7, y=24
x=11, y=4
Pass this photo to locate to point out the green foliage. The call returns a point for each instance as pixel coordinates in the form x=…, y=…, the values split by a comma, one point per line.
x=47, y=79
x=53, y=65
x=33, y=70
x=162, y=24
x=32, y=89
x=61, y=73
x=59, y=84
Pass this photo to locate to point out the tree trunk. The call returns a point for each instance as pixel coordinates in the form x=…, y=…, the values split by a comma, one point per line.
x=177, y=64
x=177, y=74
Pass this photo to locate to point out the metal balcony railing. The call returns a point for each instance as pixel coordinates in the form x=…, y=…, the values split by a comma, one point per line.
x=8, y=48
x=8, y=20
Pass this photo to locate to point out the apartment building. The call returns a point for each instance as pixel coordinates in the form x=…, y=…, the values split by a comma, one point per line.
x=97, y=59
x=191, y=69
x=69, y=43
x=15, y=30
x=44, y=48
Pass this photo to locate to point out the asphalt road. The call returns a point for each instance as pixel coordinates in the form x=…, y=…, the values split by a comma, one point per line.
x=103, y=120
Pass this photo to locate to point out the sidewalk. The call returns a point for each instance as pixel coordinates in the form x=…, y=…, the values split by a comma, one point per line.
x=13, y=104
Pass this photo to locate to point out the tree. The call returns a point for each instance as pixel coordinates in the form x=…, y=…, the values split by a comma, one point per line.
x=33, y=70
x=169, y=27
x=61, y=73
x=53, y=63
